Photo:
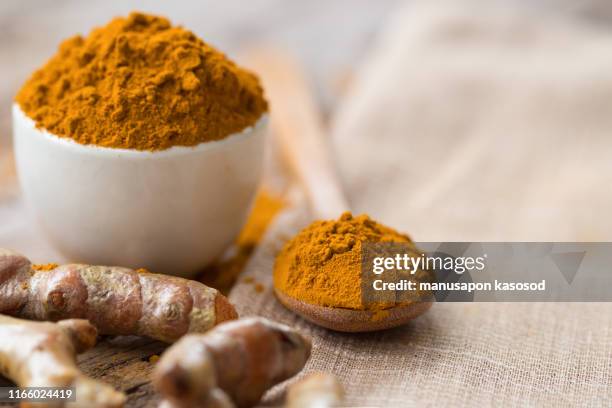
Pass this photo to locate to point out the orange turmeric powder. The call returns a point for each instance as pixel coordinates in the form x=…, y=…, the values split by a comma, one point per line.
x=222, y=274
x=321, y=265
x=141, y=83
x=44, y=267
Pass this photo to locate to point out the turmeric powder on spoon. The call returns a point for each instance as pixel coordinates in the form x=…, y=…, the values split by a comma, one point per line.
x=322, y=264
x=318, y=275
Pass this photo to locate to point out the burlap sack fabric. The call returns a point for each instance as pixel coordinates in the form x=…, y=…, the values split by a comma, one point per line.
x=470, y=124
x=473, y=123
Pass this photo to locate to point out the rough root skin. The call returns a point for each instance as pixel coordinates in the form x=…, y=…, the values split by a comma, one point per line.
x=118, y=301
x=41, y=354
x=243, y=359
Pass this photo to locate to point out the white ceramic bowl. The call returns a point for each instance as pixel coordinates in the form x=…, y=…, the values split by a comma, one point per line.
x=170, y=211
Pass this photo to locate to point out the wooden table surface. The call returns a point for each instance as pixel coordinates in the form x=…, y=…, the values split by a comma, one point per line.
x=329, y=37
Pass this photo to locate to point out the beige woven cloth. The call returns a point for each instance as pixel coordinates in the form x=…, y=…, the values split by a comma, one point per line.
x=473, y=123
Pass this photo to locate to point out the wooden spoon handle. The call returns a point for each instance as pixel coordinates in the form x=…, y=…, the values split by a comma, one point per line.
x=296, y=122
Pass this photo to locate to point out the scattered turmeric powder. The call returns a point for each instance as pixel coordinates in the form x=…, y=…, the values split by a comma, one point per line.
x=223, y=274
x=259, y=288
x=44, y=267
x=141, y=83
x=267, y=205
x=322, y=264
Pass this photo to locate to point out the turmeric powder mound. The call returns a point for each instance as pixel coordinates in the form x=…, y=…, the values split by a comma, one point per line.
x=140, y=83
x=322, y=264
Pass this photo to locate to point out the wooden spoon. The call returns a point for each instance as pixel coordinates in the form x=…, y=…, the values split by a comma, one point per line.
x=349, y=320
x=297, y=124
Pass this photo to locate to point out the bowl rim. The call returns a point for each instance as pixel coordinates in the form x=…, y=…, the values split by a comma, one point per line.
x=20, y=116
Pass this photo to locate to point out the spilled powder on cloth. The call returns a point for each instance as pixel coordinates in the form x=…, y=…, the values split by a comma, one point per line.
x=222, y=274
x=44, y=267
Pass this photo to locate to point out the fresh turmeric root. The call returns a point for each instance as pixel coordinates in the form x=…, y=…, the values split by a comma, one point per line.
x=233, y=364
x=117, y=301
x=320, y=390
x=37, y=354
